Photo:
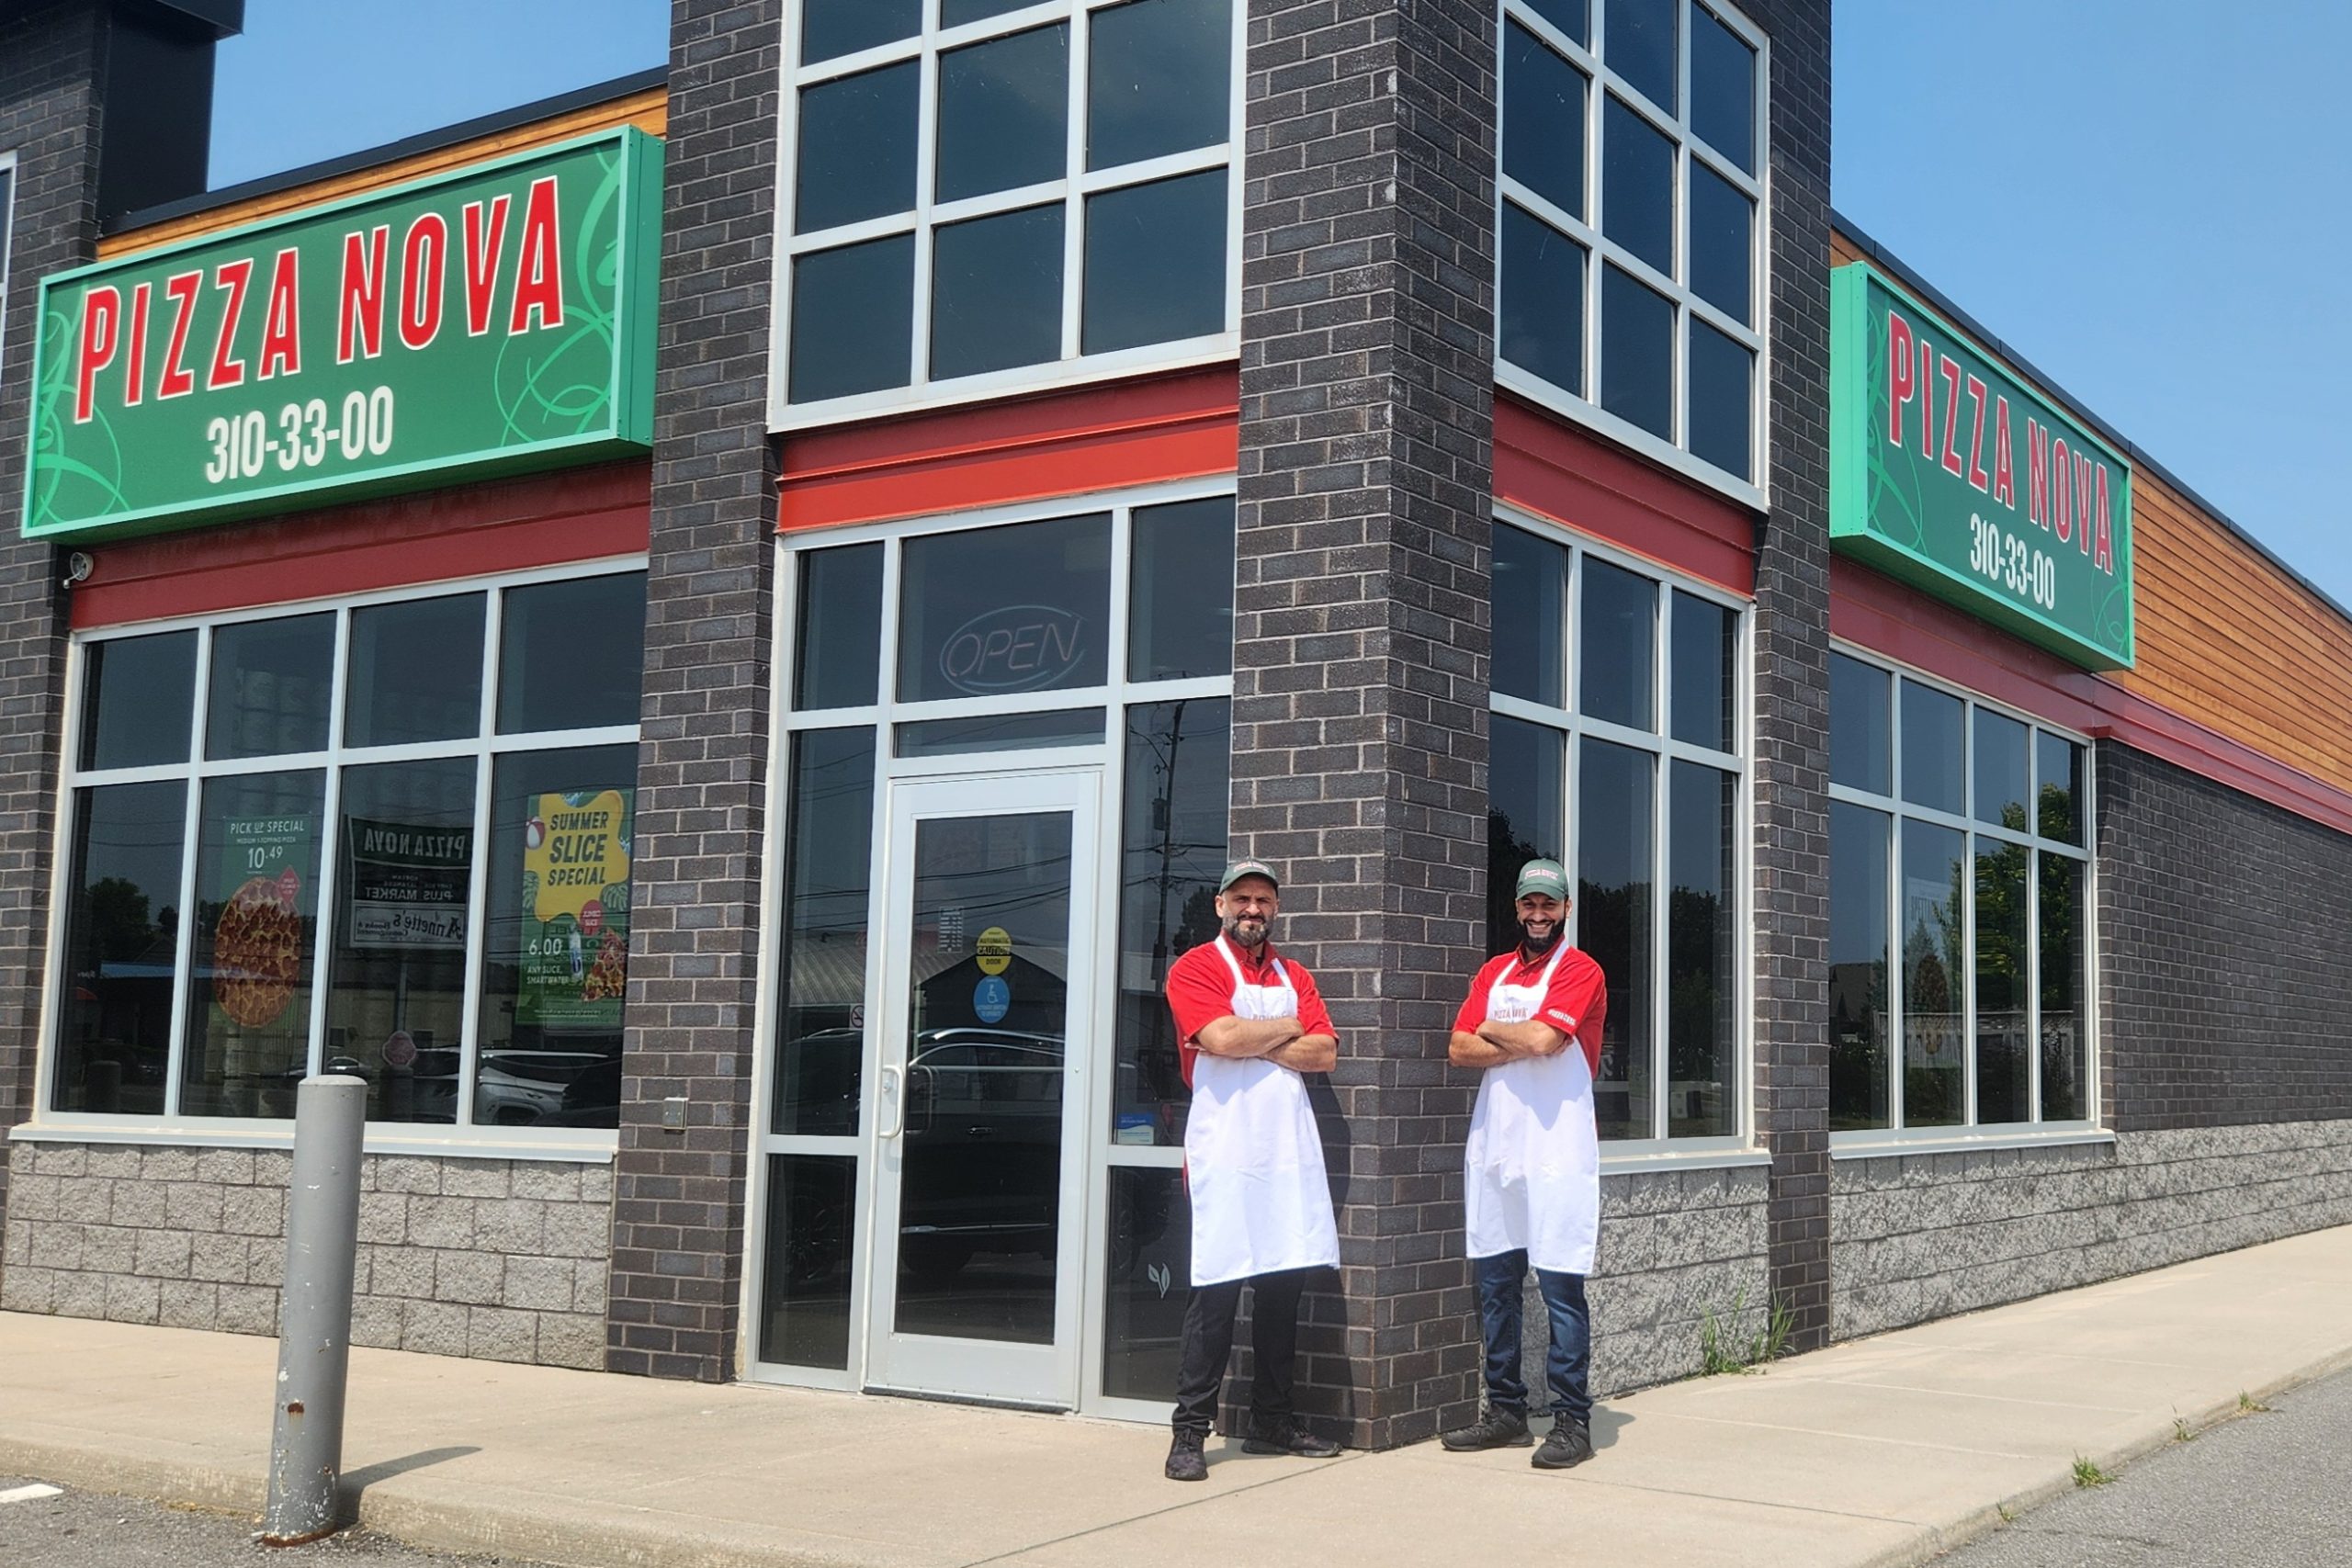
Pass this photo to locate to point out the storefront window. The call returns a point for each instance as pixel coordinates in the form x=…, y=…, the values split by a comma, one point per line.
x=1631, y=250
x=1095, y=644
x=398, y=873
x=1636, y=787
x=1954, y=910
x=998, y=198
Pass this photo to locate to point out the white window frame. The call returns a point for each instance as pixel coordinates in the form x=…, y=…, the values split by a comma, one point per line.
x=1586, y=409
x=1895, y=1138
x=7, y=243
x=1738, y=1146
x=923, y=220
x=1115, y=696
x=485, y=746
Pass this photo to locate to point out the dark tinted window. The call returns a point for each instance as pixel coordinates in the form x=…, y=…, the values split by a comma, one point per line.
x=1721, y=244
x=1933, y=749
x=1637, y=186
x=1180, y=606
x=1540, y=320
x=1636, y=353
x=2058, y=788
x=996, y=292
x=1158, y=79
x=1526, y=814
x=1861, y=729
x=839, y=628
x=1004, y=113
x=272, y=686
x=1155, y=263
x=1640, y=46
x=2000, y=758
x=1721, y=378
x=1570, y=16
x=828, y=870
x=1542, y=119
x=1530, y=590
x=141, y=699
x=856, y=152
x=122, y=923
x=1858, y=967
x=1723, y=89
x=830, y=28
x=1618, y=646
x=1703, y=684
x=1023, y=608
x=1615, y=882
x=572, y=654
x=853, y=319
x=956, y=13
x=415, y=672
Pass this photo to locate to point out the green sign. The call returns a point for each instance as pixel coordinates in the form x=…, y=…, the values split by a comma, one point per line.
x=491, y=320
x=1949, y=473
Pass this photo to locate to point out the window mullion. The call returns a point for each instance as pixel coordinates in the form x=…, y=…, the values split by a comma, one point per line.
x=1898, y=1046
x=1969, y=1027
x=1081, y=47
x=329, y=876
x=1661, y=976
x=926, y=175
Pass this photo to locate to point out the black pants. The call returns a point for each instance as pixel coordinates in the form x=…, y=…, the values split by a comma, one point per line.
x=1208, y=1341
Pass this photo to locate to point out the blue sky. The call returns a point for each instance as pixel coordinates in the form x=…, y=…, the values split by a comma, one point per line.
x=2148, y=198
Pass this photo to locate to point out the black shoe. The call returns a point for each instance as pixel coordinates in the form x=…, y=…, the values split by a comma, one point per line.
x=1185, y=1460
x=1284, y=1437
x=1569, y=1444
x=1496, y=1429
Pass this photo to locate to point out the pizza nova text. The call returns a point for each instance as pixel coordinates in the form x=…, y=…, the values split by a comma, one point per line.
x=1954, y=412
x=438, y=271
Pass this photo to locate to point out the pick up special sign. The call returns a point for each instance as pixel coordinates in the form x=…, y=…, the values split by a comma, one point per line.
x=493, y=319
x=1952, y=474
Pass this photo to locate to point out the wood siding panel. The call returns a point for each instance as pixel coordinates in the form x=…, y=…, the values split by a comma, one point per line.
x=648, y=110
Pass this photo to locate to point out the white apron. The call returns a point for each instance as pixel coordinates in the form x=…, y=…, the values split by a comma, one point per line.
x=1532, y=1163
x=1252, y=1157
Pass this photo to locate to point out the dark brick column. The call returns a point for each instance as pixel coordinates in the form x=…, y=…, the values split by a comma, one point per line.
x=50, y=60
x=1362, y=639
x=1792, y=684
x=702, y=785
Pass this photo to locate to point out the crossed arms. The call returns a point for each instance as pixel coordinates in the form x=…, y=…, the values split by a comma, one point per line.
x=1496, y=1044
x=1282, y=1040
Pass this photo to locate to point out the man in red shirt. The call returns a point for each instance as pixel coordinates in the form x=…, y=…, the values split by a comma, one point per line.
x=1532, y=1193
x=1248, y=1025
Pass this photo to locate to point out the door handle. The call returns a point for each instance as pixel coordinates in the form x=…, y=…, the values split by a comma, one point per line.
x=894, y=1102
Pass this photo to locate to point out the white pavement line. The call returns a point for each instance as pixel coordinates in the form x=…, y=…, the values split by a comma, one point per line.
x=32, y=1493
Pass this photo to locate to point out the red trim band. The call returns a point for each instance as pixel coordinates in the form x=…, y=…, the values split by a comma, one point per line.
x=508, y=525
x=1553, y=469
x=1183, y=425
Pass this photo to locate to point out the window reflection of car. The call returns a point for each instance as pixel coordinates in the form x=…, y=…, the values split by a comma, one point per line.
x=982, y=1171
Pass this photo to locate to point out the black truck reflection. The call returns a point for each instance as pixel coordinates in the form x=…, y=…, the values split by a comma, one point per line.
x=983, y=1148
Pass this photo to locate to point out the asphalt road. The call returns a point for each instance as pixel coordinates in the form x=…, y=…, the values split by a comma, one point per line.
x=88, y=1530
x=2262, y=1490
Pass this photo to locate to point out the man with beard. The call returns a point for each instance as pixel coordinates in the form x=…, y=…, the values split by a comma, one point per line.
x=1248, y=1025
x=1531, y=1027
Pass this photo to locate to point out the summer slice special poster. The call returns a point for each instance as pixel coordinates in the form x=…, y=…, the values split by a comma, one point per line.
x=575, y=909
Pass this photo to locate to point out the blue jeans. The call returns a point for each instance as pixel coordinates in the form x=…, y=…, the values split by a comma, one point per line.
x=1501, y=1280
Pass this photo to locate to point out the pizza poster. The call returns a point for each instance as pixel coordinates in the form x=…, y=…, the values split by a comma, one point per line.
x=265, y=905
x=409, y=885
x=575, y=909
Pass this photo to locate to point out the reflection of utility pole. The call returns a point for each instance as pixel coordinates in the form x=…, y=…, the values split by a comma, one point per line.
x=1166, y=806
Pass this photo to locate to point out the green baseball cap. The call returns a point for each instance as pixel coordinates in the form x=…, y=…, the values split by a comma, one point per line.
x=1241, y=868
x=1543, y=877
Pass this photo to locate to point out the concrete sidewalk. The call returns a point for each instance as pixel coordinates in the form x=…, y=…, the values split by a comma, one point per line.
x=1887, y=1450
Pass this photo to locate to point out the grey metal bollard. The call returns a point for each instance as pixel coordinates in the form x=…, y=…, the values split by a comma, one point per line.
x=314, y=1319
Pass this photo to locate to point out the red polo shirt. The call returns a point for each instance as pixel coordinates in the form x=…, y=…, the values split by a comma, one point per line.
x=1200, y=991
x=1575, y=1004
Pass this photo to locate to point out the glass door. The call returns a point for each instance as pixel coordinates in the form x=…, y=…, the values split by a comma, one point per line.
x=976, y=1267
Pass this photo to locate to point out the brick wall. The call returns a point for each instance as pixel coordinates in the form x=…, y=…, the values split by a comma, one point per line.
x=502, y=1260
x=1361, y=636
x=1789, y=767
x=1677, y=1249
x=50, y=59
x=677, y=1251
x=2225, y=952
